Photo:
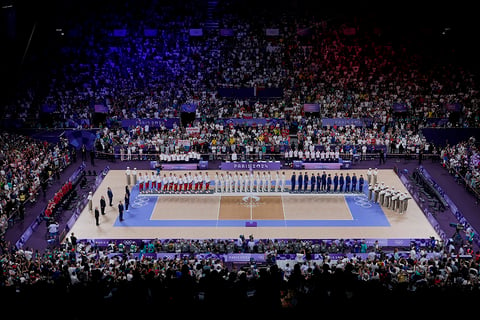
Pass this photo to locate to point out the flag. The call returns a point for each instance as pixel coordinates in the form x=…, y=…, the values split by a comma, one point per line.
x=311, y=107
x=119, y=32
x=227, y=32
x=272, y=32
x=399, y=107
x=454, y=107
x=349, y=31
x=101, y=108
x=150, y=32
x=196, y=32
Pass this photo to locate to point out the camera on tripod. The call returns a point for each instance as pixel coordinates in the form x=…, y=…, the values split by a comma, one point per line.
x=457, y=226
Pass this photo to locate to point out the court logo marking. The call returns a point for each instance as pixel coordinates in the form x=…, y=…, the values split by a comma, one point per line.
x=251, y=201
x=362, y=201
x=140, y=202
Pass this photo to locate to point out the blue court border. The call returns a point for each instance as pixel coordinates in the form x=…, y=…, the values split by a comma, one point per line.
x=364, y=214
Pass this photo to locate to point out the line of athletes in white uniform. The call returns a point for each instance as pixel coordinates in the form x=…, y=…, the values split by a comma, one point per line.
x=223, y=182
x=250, y=181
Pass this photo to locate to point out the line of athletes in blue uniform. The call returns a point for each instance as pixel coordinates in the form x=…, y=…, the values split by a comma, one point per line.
x=325, y=182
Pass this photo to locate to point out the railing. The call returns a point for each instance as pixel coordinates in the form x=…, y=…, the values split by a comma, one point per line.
x=155, y=156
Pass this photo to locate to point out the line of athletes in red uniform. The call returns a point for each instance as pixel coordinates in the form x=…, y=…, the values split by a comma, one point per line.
x=59, y=196
x=187, y=182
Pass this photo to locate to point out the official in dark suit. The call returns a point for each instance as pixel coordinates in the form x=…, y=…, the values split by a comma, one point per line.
x=110, y=196
x=127, y=200
x=381, y=157
x=103, y=205
x=121, y=208
x=97, y=216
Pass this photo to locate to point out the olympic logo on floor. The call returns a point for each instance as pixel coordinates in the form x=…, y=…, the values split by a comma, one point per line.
x=362, y=201
x=251, y=201
x=140, y=202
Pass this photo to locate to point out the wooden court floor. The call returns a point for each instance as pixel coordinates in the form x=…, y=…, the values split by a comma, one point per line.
x=277, y=215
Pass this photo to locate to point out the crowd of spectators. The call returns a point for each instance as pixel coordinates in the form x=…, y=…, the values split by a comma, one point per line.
x=357, y=76
x=251, y=245
x=463, y=161
x=108, y=277
x=347, y=67
x=26, y=167
x=256, y=143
